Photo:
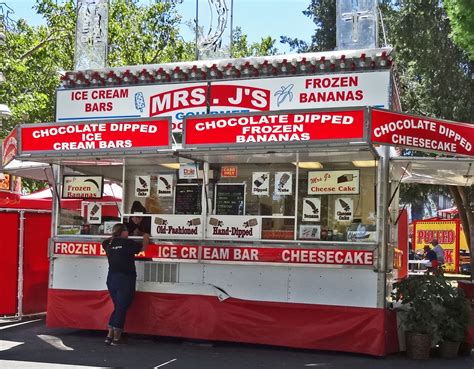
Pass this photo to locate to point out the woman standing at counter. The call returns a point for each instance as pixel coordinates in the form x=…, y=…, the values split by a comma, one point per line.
x=121, y=278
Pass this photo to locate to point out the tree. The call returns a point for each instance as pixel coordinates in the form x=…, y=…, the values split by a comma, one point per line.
x=434, y=73
x=461, y=16
x=33, y=57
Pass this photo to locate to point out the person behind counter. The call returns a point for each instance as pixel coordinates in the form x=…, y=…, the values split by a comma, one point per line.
x=138, y=225
x=121, y=277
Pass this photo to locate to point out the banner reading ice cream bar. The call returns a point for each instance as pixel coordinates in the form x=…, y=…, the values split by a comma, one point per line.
x=232, y=227
x=331, y=182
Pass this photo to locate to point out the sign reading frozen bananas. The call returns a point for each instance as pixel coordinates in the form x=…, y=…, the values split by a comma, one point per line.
x=142, y=186
x=283, y=183
x=260, y=183
x=311, y=209
x=344, y=209
x=233, y=227
x=165, y=185
x=176, y=226
x=333, y=182
x=82, y=187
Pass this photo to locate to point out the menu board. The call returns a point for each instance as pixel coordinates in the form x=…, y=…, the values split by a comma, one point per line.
x=230, y=199
x=188, y=199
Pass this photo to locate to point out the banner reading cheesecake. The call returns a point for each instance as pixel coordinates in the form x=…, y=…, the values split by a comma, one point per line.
x=422, y=133
x=97, y=136
x=277, y=128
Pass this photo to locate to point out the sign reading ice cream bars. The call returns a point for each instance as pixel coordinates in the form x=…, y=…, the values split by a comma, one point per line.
x=82, y=187
x=331, y=182
x=422, y=133
x=104, y=136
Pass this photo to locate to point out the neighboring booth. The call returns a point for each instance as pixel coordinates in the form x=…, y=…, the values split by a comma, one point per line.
x=272, y=217
x=26, y=229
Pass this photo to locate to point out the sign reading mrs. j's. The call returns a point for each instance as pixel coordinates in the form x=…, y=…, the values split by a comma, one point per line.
x=116, y=135
x=180, y=100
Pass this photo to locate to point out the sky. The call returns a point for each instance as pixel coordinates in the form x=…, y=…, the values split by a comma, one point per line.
x=257, y=18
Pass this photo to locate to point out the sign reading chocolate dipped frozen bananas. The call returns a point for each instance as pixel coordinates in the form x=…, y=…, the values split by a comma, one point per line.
x=331, y=182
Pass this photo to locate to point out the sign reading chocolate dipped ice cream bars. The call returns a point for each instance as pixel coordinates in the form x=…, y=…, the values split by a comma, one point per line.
x=333, y=182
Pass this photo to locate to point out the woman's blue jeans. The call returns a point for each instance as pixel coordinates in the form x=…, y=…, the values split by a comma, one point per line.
x=121, y=289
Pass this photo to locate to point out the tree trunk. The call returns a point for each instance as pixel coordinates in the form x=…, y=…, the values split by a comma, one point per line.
x=461, y=199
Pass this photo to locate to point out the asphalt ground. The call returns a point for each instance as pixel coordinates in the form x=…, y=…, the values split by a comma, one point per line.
x=30, y=344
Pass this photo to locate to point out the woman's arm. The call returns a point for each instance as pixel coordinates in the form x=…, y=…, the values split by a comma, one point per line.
x=146, y=241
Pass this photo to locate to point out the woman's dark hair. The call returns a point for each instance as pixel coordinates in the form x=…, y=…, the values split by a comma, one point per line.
x=117, y=230
x=137, y=207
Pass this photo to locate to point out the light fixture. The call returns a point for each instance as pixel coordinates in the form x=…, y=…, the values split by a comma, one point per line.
x=5, y=111
x=309, y=165
x=170, y=165
x=365, y=163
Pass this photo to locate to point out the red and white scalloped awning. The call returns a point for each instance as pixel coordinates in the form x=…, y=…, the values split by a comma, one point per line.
x=253, y=67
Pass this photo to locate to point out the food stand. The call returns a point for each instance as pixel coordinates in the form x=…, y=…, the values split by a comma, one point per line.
x=269, y=203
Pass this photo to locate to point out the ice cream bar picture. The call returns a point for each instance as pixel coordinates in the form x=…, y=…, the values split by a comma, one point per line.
x=142, y=182
x=94, y=209
x=160, y=221
x=194, y=222
x=284, y=178
x=346, y=178
x=251, y=223
x=215, y=222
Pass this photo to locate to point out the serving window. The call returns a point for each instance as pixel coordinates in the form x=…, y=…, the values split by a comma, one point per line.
x=303, y=197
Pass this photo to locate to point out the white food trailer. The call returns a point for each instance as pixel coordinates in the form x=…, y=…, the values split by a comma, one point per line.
x=269, y=197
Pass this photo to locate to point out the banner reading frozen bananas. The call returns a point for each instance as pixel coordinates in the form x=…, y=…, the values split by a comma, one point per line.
x=234, y=227
x=172, y=226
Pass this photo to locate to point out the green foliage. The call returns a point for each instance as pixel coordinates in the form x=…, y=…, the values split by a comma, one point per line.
x=461, y=16
x=241, y=48
x=431, y=305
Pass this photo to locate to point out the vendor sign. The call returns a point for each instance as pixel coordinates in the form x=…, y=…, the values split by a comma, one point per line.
x=94, y=213
x=99, y=136
x=332, y=182
x=228, y=227
x=180, y=100
x=176, y=226
x=260, y=183
x=344, y=209
x=165, y=185
x=422, y=133
x=311, y=209
x=233, y=254
x=9, y=147
x=142, y=186
x=82, y=187
x=277, y=128
x=447, y=234
x=283, y=183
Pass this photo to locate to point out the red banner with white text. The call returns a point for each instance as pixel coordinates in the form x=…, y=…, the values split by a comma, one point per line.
x=304, y=256
x=102, y=136
x=278, y=128
x=422, y=133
